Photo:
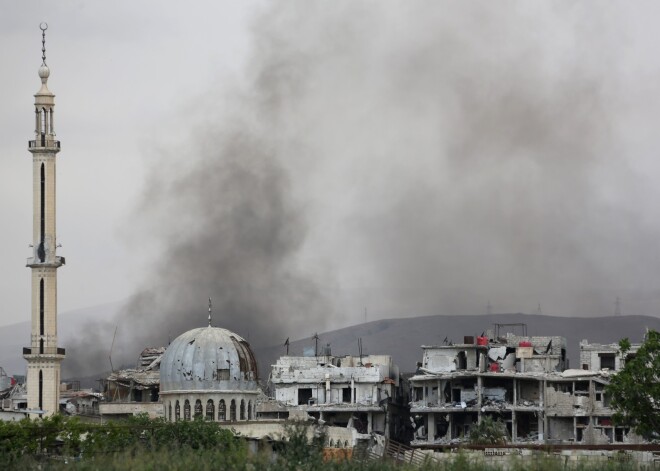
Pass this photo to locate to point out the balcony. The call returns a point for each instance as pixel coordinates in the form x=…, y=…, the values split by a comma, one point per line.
x=44, y=143
x=44, y=351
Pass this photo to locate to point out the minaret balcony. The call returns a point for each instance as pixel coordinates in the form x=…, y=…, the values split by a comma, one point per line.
x=44, y=144
x=58, y=352
x=33, y=262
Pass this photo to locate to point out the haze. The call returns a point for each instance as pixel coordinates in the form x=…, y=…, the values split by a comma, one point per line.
x=299, y=162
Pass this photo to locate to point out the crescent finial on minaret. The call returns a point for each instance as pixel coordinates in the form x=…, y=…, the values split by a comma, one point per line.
x=43, y=27
x=210, y=309
x=44, y=71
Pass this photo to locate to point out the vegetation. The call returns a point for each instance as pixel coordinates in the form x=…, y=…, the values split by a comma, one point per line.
x=142, y=444
x=488, y=432
x=635, y=390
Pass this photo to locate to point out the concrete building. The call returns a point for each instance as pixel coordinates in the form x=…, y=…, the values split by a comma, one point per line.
x=43, y=355
x=347, y=391
x=578, y=407
x=596, y=356
x=135, y=391
x=523, y=381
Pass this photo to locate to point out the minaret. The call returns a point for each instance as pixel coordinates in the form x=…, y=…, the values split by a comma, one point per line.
x=43, y=355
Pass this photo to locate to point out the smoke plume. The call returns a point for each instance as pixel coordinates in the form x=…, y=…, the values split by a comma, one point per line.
x=406, y=157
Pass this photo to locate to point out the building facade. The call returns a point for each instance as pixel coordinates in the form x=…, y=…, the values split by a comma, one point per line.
x=525, y=383
x=348, y=391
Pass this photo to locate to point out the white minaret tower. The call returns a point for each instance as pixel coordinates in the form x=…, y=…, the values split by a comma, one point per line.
x=43, y=355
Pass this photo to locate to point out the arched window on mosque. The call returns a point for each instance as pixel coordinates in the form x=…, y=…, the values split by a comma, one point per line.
x=186, y=410
x=177, y=411
x=169, y=412
x=232, y=411
x=242, y=409
x=198, y=408
x=249, y=410
x=210, y=410
x=222, y=411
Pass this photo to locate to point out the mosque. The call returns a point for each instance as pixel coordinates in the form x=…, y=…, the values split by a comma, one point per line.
x=210, y=372
x=206, y=372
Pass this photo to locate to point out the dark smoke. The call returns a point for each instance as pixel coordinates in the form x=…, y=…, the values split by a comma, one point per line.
x=409, y=157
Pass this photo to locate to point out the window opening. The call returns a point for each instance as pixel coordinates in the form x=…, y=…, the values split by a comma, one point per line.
x=41, y=390
x=41, y=307
x=232, y=411
x=222, y=411
x=186, y=410
x=210, y=409
x=606, y=360
x=42, y=224
x=304, y=395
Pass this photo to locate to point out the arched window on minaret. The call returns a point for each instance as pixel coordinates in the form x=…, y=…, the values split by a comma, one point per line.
x=42, y=224
x=41, y=307
x=41, y=390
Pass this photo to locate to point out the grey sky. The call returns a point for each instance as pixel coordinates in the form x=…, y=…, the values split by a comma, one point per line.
x=441, y=155
x=123, y=73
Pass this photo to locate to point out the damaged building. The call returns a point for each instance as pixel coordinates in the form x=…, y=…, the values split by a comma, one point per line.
x=578, y=407
x=363, y=393
x=523, y=381
x=135, y=390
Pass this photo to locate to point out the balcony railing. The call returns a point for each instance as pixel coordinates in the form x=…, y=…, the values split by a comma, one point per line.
x=44, y=351
x=46, y=143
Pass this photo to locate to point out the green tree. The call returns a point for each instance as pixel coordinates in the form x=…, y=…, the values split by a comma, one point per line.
x=488, y=432
x=635, y=390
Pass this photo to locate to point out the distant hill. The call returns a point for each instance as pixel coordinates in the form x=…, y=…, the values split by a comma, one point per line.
x=400, y=338
x=403, y=337
x=16, y=336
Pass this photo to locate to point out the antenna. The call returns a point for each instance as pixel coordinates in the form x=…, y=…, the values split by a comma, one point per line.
x=316, y=344
x=112, y=345
x=210, y=310
x=286, y=344
x=617, y=307
x=538, y=310
x=43, y=27
x=360, y=348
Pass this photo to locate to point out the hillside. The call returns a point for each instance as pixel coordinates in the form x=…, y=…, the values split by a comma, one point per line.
x=16, y=336
x=401, y=337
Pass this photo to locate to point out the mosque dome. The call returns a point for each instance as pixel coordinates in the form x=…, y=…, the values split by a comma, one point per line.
x=208, y=359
